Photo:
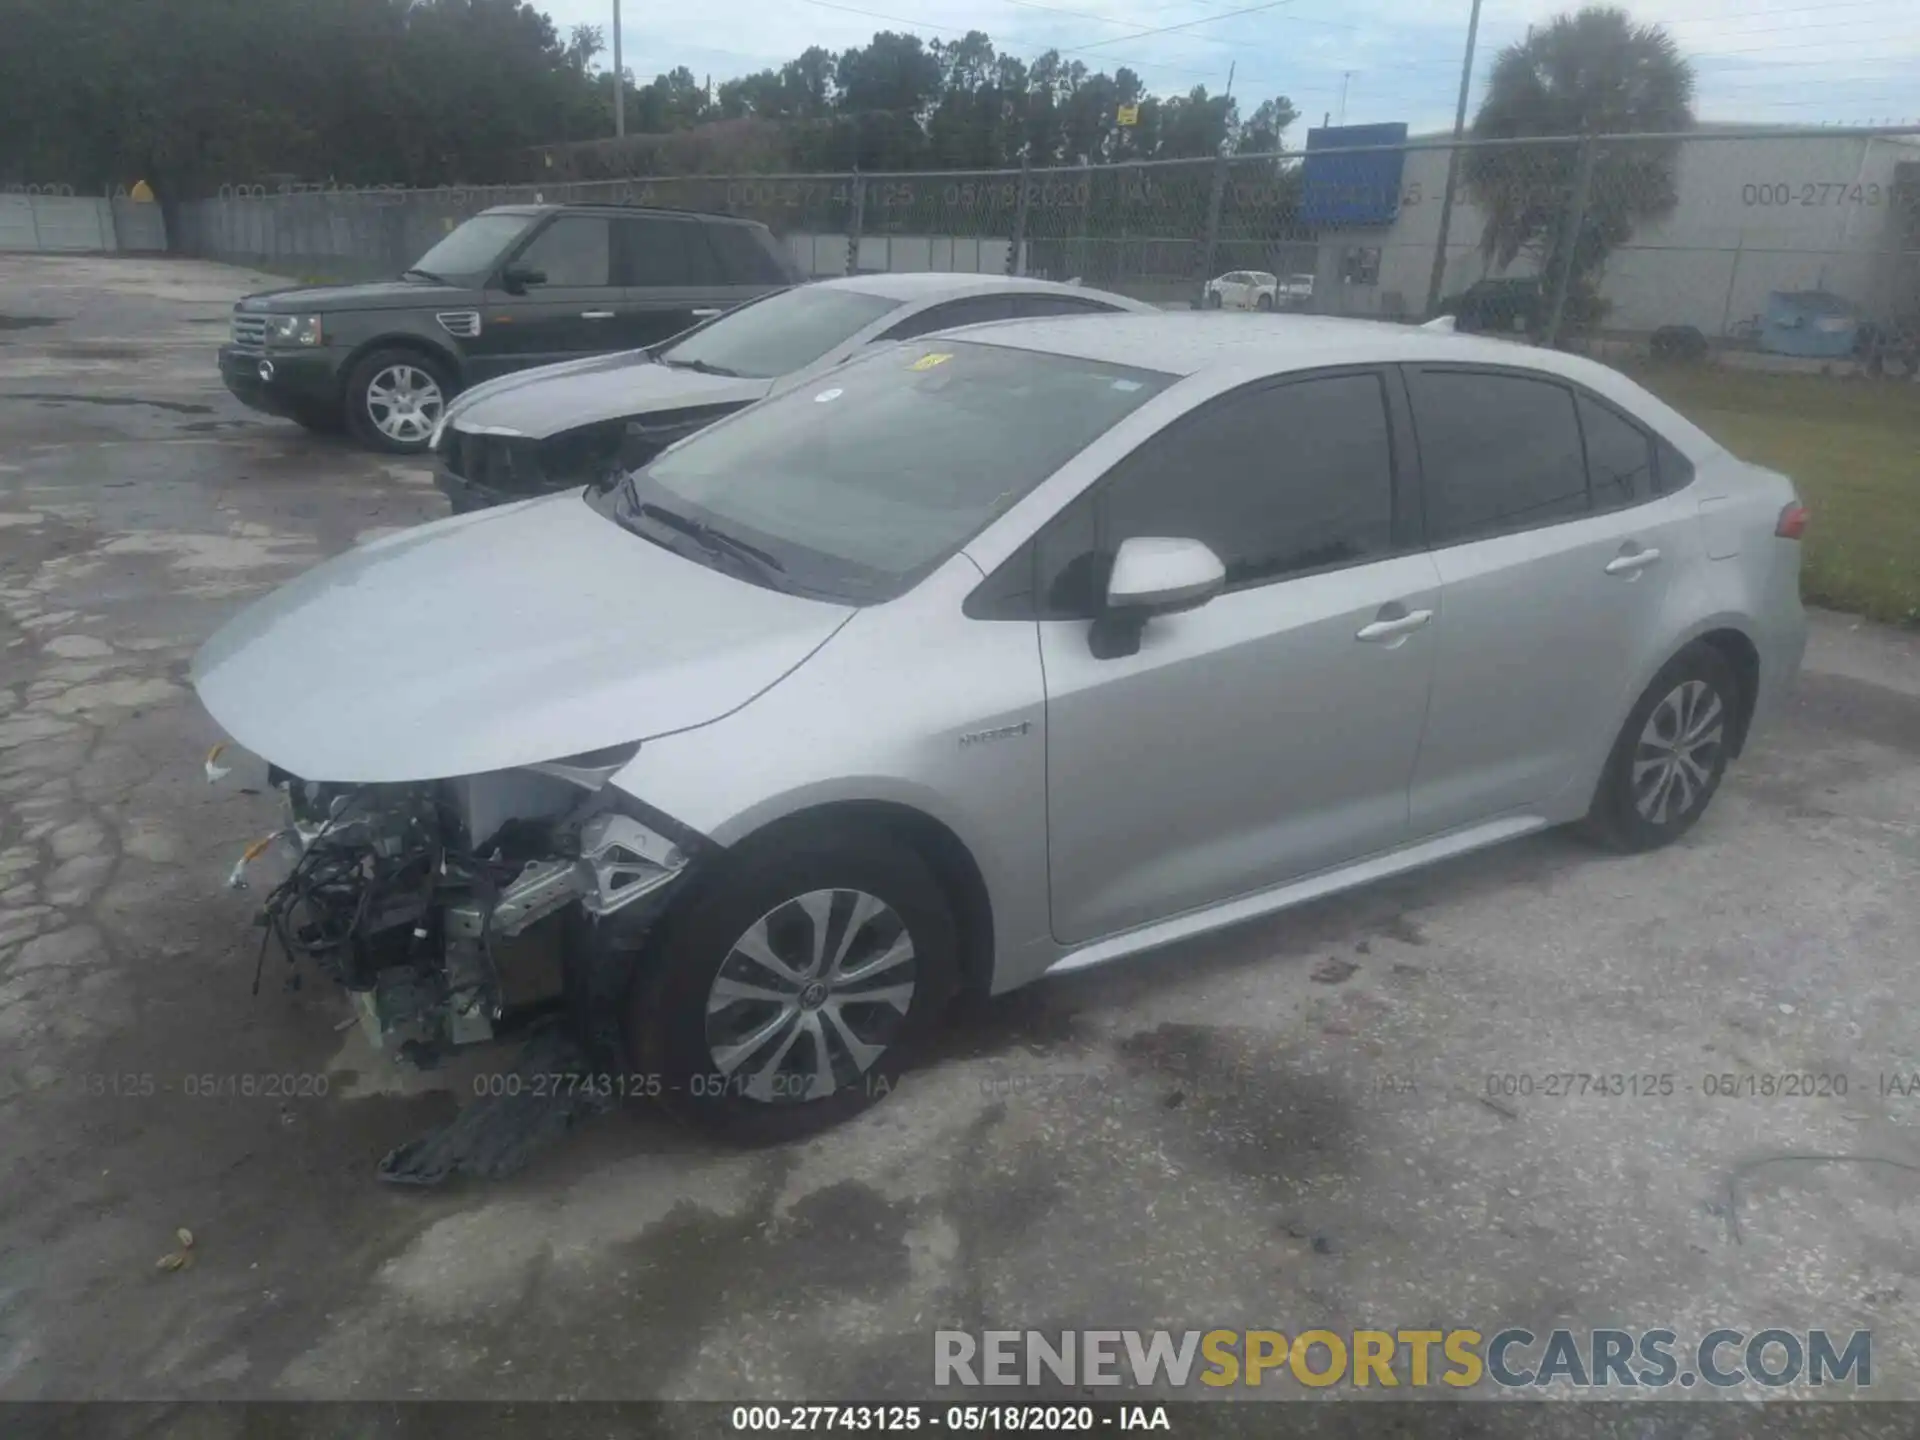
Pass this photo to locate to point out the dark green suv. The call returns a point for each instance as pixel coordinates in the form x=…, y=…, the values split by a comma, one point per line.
x=512, y=287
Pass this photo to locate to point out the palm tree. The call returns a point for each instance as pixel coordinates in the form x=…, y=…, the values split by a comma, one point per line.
x=1591, y=73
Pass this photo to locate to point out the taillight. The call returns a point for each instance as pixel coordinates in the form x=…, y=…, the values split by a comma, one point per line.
x=1793, y=522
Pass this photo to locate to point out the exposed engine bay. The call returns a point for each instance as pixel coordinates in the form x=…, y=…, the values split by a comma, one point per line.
x=452, y=910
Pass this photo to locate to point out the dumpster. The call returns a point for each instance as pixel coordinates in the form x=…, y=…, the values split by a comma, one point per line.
x=1809, y=322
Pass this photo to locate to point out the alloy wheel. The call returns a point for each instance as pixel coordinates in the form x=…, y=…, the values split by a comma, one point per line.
x=1679, y=746
x=809, y=998
x=404, y=403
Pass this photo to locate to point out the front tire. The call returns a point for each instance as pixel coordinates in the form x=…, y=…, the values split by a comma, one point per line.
x=1213, y=300
x=1670, y=755
x=803, y=978
x=395, y=398
x=1265, y=302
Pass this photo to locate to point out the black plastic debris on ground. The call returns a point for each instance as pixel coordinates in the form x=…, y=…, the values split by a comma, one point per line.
x=497, y=1135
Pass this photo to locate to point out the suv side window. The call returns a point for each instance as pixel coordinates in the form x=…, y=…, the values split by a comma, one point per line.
x=663, y=253
x=1498, y=453
x=574, y=250
x=746, y=254
x=1619, y=457
x=1029, y=306
x=975, y=310
x=1280, y=481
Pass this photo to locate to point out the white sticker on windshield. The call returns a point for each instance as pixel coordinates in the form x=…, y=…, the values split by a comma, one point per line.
x=825, y=395
x=1127, y=385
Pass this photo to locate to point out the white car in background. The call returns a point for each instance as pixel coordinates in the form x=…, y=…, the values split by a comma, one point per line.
x=1258, y=290
x=1243, y=290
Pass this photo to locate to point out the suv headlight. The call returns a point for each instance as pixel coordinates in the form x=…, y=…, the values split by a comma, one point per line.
x=294, y=329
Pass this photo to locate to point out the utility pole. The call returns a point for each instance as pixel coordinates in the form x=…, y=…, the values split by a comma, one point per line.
x=1439, y=275
x=1345, y=76
x=620, y=76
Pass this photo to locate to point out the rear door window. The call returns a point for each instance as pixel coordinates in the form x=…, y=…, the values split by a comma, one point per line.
x=1028, y=306
x=1675, y=471
x=662, y=253
x=975, y=310
x=1498, y=452
x=1619, y=457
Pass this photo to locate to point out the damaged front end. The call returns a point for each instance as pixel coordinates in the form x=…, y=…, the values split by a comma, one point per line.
x=456, y=911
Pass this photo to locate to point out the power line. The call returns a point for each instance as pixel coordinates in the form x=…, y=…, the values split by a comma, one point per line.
x=1189, y=69
x=1208, y=39
x=1185, y=24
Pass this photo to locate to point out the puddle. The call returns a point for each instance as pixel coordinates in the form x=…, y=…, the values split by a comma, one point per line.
x=176, y=406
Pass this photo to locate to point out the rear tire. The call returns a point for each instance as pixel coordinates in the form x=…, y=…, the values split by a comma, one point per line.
x=1670, y=756
x=755, y=1032
x=1213, y=300
x=1265, y=302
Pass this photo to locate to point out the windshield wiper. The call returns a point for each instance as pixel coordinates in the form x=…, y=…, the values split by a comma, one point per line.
x=715, y=541
x=425, y=275
x=700, y=366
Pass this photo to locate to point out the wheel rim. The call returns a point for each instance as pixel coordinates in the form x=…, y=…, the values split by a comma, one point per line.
x=1678, y=750
x=809, y=998
x=404, y=403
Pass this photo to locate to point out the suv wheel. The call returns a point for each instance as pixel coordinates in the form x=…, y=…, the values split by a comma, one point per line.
x=395, y=398
x=797, y=987
x=1265, y=302
x=1670, y=755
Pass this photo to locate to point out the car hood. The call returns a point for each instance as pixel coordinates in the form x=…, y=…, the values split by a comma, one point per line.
x=511, y=636
x=557, y=398
x=373, y=295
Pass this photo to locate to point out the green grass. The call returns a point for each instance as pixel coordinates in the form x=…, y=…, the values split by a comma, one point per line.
x=1852, y=447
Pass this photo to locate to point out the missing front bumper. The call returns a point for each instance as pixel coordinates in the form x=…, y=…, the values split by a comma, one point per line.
x=445, y=945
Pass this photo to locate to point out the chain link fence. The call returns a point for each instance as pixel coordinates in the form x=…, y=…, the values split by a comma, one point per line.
x=1799, y=242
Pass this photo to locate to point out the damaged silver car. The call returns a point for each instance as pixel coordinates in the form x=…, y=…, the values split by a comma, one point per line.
x=987, y=655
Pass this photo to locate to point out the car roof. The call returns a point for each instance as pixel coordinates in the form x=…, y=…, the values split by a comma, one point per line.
x=1192, y=343
x=1176, y=343
x=921, y=285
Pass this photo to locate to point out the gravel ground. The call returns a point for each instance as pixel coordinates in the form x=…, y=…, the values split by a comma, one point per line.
x=1288, y=1126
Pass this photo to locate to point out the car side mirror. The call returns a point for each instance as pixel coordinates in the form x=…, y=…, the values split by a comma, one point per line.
x=1153, y=575
x=516, y=278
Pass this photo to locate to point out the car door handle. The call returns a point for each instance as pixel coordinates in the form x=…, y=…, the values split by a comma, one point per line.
x=596, y=314
x=1395, y=627
x=707, y=314
x=1632, y=564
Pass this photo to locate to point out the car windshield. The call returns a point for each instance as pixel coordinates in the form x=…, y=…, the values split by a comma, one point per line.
x=472, y=246
x=861, y=483
x=780, y=334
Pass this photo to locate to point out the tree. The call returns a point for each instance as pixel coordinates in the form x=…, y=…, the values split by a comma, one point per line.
x=1266, y=129
x=1594, y=72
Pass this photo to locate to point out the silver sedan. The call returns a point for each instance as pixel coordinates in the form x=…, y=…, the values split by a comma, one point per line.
x=992, y=655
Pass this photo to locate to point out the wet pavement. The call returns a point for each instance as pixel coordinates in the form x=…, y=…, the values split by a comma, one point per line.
x=1310, y=1121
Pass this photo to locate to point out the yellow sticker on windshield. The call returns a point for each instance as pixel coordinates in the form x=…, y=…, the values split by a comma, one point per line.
x=927, y=362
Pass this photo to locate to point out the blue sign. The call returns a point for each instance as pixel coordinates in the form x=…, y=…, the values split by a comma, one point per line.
x=1359, y=188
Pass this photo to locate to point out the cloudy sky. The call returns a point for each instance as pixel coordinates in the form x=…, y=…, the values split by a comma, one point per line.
x=1762, y=61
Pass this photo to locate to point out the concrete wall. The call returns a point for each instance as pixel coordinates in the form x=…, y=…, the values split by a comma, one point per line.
x=79, y=223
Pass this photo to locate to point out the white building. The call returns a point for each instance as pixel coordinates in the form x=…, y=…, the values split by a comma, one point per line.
x=1757, y=213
